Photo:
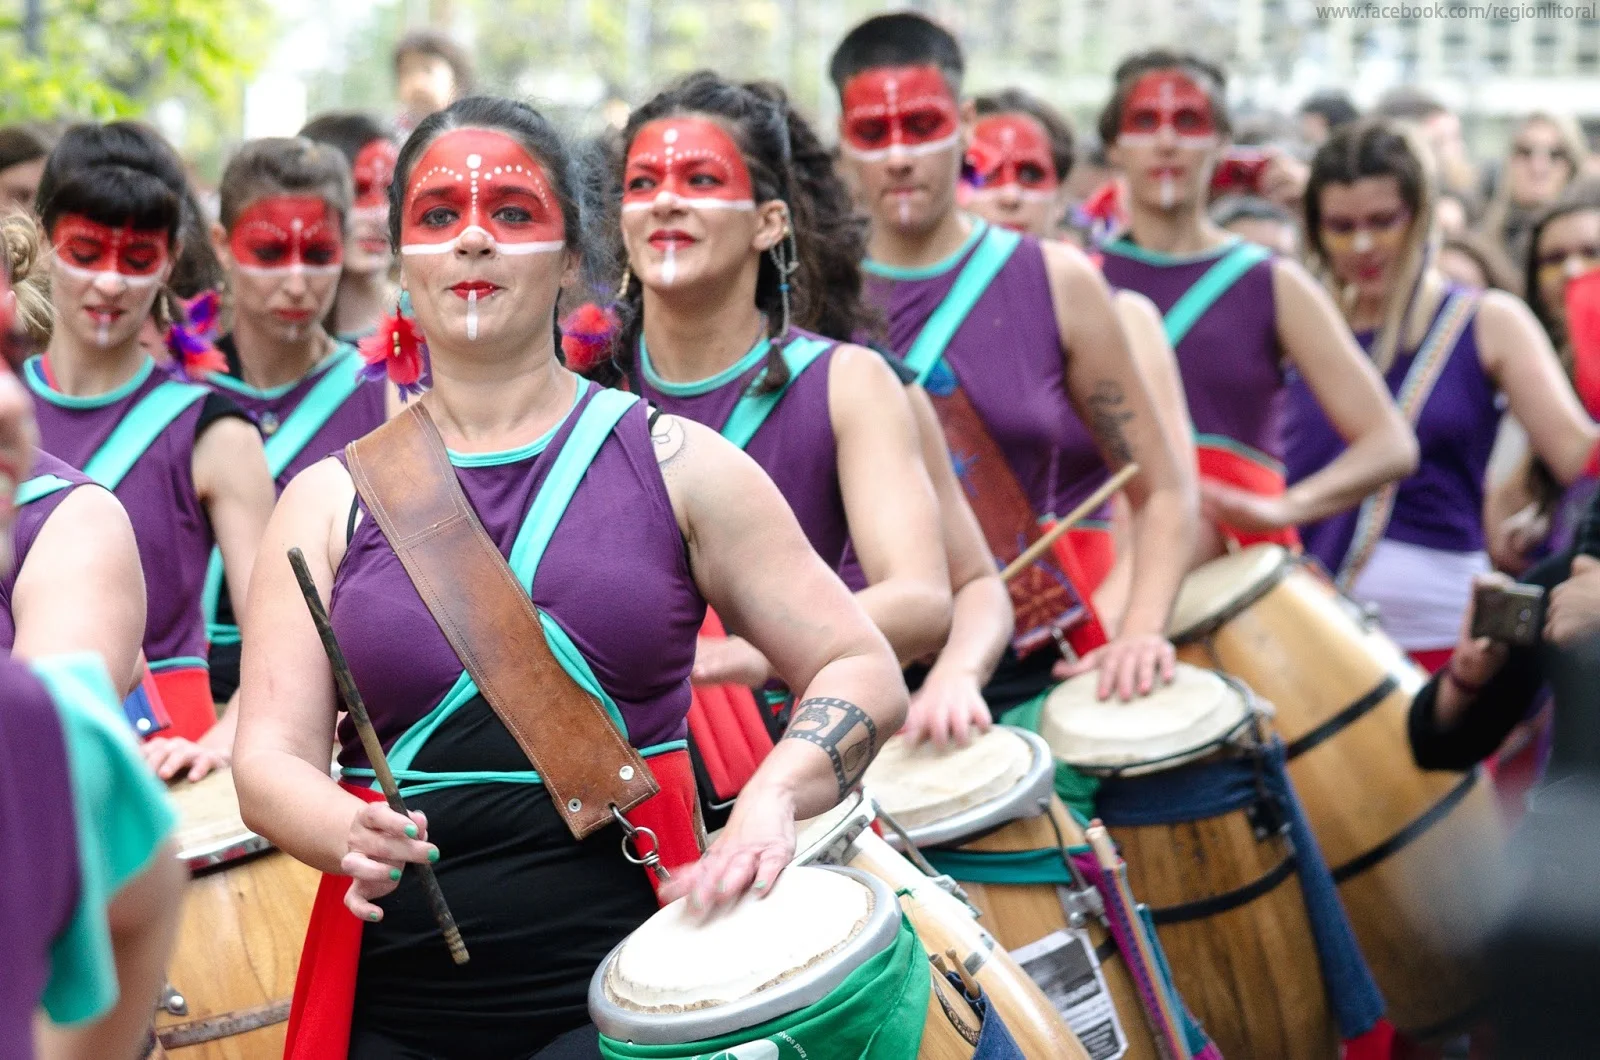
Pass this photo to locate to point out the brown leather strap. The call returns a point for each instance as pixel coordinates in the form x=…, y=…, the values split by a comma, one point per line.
x=404, y=475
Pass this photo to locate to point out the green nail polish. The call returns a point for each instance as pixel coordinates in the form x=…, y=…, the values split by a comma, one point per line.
x=761, y=885
x=411, y=831
x=374, y=917
x=394, y=874
x=433, y=854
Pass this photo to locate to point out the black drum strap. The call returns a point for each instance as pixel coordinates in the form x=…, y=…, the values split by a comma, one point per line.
x=1218, y=904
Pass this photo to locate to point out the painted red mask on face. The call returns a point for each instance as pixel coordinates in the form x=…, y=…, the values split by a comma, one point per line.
x=692, y=158
x=483, y=180
x=280, y=233
x=87, y=249
x=909, y=107
x=372, y=171
x=1013, y=149
x=1168, y=100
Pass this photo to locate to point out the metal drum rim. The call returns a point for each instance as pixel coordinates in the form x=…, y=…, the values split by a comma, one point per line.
x=844, y=832
x=1020, y=802
x=1288, y=562
x=806, y=988
x=224, y=852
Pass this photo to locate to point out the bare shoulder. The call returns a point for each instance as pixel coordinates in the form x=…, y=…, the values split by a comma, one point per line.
x=89, y=505
x=1507, y=331
x=1499, y=310
x=860, y=374
x=1070, y=269
x=1290, y=277
x=229, y=434
x=322, y=489
x=669, y=437
x=1136, y=309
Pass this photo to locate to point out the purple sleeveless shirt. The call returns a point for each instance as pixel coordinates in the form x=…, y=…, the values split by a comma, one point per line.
x=1007, y=356
x=615, y=576
x=795, y=445
x=31, y=518
x=1230, y=360
x=158, y=492
x=1441, y=505
x=362, y=411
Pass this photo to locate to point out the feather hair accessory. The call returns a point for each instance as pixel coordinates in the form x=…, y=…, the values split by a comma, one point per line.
x=191, y=339
x=396, y=351
x=586, y=336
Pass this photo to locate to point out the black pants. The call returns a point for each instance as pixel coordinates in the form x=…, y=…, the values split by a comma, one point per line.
x=580, y=1044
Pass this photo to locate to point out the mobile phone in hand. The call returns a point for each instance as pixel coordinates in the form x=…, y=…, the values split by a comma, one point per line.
x=1241, y=169
x=1510, y=614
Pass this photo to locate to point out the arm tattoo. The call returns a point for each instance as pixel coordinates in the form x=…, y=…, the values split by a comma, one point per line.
x=670, y=440
x=1108, y=411
x=841, y=729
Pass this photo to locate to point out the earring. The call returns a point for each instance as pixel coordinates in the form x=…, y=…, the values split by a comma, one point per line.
x=397, y=352
x=627, y=280
x=786, y=259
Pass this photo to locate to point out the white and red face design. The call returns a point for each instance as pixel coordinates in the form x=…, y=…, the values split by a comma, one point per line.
x=106, y=277
x=1362, y=230
x=485, y=183
x=373, y=171
x=1165, y=140
x=693, y=160
x=901, y=135
x=481, y=241
x=367, y=244
x=287, y=253
x=1015, y=181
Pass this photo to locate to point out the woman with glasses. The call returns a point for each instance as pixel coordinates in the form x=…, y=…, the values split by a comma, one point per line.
x=1547, y=153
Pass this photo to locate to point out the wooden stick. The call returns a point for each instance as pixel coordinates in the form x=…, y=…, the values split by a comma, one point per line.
x=374, y=748
x=1170, y=1033
x=1073, y=518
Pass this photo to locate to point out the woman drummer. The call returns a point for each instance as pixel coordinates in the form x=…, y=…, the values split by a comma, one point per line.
x=281, y=238
x=186, y=464
x=1447, y=354
x=74, y=584
x=666, y=517
x=365, y=290
x=742, y=254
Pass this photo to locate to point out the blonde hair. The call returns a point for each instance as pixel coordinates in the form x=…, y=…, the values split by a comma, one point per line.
x=24, y=243
x=1495, y=215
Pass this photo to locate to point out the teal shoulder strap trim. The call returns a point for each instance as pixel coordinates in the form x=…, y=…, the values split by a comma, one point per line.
x=210, y=597
x=1212, y=285
x=339, y=380
x=976, y=275
x=753, y=409
x=38, y=488
x=138, y=431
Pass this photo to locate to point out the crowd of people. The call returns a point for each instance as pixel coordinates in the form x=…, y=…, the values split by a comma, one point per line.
x=754, y=412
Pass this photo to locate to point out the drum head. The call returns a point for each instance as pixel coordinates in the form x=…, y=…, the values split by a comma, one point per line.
x=210, y=830
x=1217, y=589
x=681, y=979
x=920, y=785
x=1177, y=723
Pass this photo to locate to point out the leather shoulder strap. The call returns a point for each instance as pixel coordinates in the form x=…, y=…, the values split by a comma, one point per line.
x=404, y=475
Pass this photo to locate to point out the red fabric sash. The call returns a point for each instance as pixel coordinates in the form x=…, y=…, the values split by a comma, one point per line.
x=1090, y=549
x=727, y=728
x=185, y=695
x=325, y=985
x=1233, y=468
x=1583, y=336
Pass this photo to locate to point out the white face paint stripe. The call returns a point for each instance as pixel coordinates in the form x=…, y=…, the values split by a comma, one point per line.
x=369, y=213
x=1025, y=194
x=694, y=204
x=288, y=270
x=91, y=275
x=508, y=249
x=1149, y=140
x=914, y=150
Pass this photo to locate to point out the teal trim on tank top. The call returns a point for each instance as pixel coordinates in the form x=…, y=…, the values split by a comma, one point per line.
x=38, y=488
x=177, y=662
x=1233, y=445
x=1215, y=282
x=757, y=353
x=928, y=348
x=33, y=375
x=417, y=782
x=752, y=408
x=138, y=430
x=928, y=272
x=496, y=458
x=1123, y=247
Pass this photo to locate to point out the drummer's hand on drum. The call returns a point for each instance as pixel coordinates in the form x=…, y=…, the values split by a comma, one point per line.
x=1511, y=544
x=1243, y=510
x=949, y=707
x=748, y=855
x=1133, y=665
x=171, y=756
x=381, y=843
x=729, y=661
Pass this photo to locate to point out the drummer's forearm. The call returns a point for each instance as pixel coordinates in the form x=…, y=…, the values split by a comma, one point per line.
x=1163, y=542
x=1363, y=468
x=980, y=627
x=297, y=806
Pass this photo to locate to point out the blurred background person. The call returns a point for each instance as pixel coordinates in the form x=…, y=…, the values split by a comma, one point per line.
x=431, y=71
x=1323, y=112
x=23, y=149
x=366, y=289
x=1439, y=128
x=1472, y=261
x=1545, y=154
x=1259, y=220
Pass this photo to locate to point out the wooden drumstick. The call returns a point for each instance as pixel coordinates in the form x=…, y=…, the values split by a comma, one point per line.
x=1111, y=865
x=369, y=740
x=1072, y=518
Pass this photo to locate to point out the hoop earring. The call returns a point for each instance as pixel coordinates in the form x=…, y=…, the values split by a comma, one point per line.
x=785, y=257
x=627, y=281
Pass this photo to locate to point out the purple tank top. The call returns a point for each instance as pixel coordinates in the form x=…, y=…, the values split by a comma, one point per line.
x=794, y=445
x=361, y=410
x=158, y=492
x=615, y=576
x=1441, y=505
x=31, y=518
x=39, y=876
x=1007, y=356
x=1230, y=360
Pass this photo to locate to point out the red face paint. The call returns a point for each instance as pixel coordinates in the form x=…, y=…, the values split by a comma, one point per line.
x=1013, y=149
x=372, y=171
x=87, y=249
x=280, y=233
x=483, y=180
x=1170, y=100
x=906, y=107
x=693, y=159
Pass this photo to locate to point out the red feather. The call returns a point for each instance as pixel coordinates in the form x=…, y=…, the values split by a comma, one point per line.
x=396, y=351
x=1583, y=332
x=586, y=336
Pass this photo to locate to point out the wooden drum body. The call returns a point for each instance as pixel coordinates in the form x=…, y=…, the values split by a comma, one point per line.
x=244, y=920
x=1408, y=848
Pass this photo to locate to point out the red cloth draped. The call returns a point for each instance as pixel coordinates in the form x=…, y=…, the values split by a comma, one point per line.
x=1234, y=468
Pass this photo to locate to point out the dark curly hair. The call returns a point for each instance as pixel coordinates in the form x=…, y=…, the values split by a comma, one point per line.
x=787, y=161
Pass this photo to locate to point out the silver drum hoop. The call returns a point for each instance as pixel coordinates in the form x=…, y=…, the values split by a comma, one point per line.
x=1023, y=800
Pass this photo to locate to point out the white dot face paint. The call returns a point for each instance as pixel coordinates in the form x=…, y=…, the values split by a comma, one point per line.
x=480, y=182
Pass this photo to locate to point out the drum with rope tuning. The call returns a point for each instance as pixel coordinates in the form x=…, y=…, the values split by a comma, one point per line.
x=987, y=815
x=1407, y=847
x=1221, y=886
x=818, y=967
x=244, y=919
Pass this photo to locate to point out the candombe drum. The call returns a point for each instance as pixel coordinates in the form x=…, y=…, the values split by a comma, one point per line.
x=1407, y=847
x=845, y=836
x=987, y=815
x=822, y=966
x=244, y=919
x=1210, y=856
